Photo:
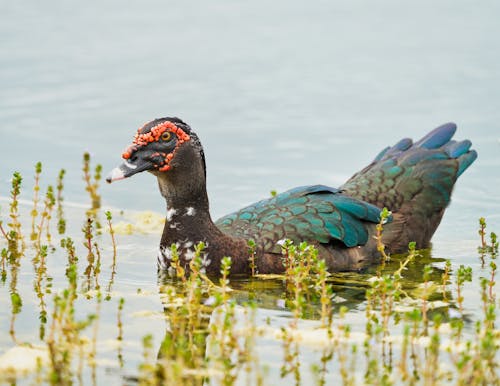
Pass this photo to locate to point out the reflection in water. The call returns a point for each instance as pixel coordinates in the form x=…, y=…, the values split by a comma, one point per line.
x=193, y=346
x=349, y=288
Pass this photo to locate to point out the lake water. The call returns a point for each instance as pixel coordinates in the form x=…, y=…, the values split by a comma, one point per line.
x=281, y=94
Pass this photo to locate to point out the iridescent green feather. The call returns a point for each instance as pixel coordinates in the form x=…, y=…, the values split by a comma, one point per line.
x=314, y=213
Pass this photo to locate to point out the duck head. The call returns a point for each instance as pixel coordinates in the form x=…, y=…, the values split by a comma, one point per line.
x=162, y=146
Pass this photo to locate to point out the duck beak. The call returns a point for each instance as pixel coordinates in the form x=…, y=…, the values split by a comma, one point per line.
x=127, y=169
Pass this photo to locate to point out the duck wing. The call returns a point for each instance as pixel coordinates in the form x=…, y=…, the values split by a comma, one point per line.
x=316, y=214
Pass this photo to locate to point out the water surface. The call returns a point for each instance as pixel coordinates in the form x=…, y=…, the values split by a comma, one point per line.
x=281, y=94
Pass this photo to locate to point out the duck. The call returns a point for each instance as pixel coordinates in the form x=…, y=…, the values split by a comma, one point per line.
x=413, y=180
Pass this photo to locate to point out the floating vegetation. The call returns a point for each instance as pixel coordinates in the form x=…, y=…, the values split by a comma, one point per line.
x=413, y=320
x=140, y=223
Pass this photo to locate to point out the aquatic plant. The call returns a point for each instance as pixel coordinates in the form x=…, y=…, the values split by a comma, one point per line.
x=45, y=217
x=92, y=181
x=14, y=237
x=109, y=219
x=411, y=322
x=61, y=221
x=36, y=189
x=252, y=255
x=385, y=215
x=64, y=338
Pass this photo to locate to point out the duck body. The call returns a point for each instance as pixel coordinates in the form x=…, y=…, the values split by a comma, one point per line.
x=414, y=180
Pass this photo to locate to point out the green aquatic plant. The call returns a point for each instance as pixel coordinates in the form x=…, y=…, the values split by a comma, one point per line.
x=346, y=352
x=36, y=190
x=176, y=269
x=11, y=256
x=59, y=329
x=252, y=253
x=46, y=213
x=61, y=221
x=46, y=216
x=3, y=265
x=426, y=292
x=247, y=355
x=385, y=293
x=109, y=219
x=147, y=369
x=464, y=274
x=445, y=278
x=119, y=338
x=14, y=237
x=223, y=337
x=182, y=350
x=431, y=371
x=494, y=244
x=291, y=360
x=16, y=301
x=485, y=364
x=485, y=248
x=325, y=292
x=15, y=224
x=482, y=234
x=88, y=231
x=306, y=278
x=92, y=181
x=92, y=354
x=64, y=338
x=93, y=269
x=385, y=214
x=299, y=262
x=42, y=285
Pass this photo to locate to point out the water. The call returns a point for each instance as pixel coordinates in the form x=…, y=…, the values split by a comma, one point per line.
x=281, y=94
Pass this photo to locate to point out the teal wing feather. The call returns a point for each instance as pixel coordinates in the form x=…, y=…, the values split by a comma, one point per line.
x=420, y=175
x=314, y=213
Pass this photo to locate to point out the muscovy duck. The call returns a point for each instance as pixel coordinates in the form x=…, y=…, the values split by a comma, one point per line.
x=414, y=180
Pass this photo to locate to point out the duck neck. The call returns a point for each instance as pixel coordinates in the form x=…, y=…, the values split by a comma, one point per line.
x=188, y=215
x=188, y=222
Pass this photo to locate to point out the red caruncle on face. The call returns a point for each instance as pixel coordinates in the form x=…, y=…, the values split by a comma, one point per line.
x=155, y=135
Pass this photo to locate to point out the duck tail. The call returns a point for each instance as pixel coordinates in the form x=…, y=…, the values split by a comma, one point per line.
x=414, y=180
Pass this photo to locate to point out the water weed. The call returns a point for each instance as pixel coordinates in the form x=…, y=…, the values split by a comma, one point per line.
x=409, y=321
x=61, y=221
x=92, y=181
x=36, y=190
x=14, y=237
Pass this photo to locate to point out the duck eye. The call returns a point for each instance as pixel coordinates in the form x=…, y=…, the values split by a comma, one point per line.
x=166, y=136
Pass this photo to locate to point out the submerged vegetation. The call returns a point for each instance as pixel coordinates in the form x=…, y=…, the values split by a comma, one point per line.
x=406, y=322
